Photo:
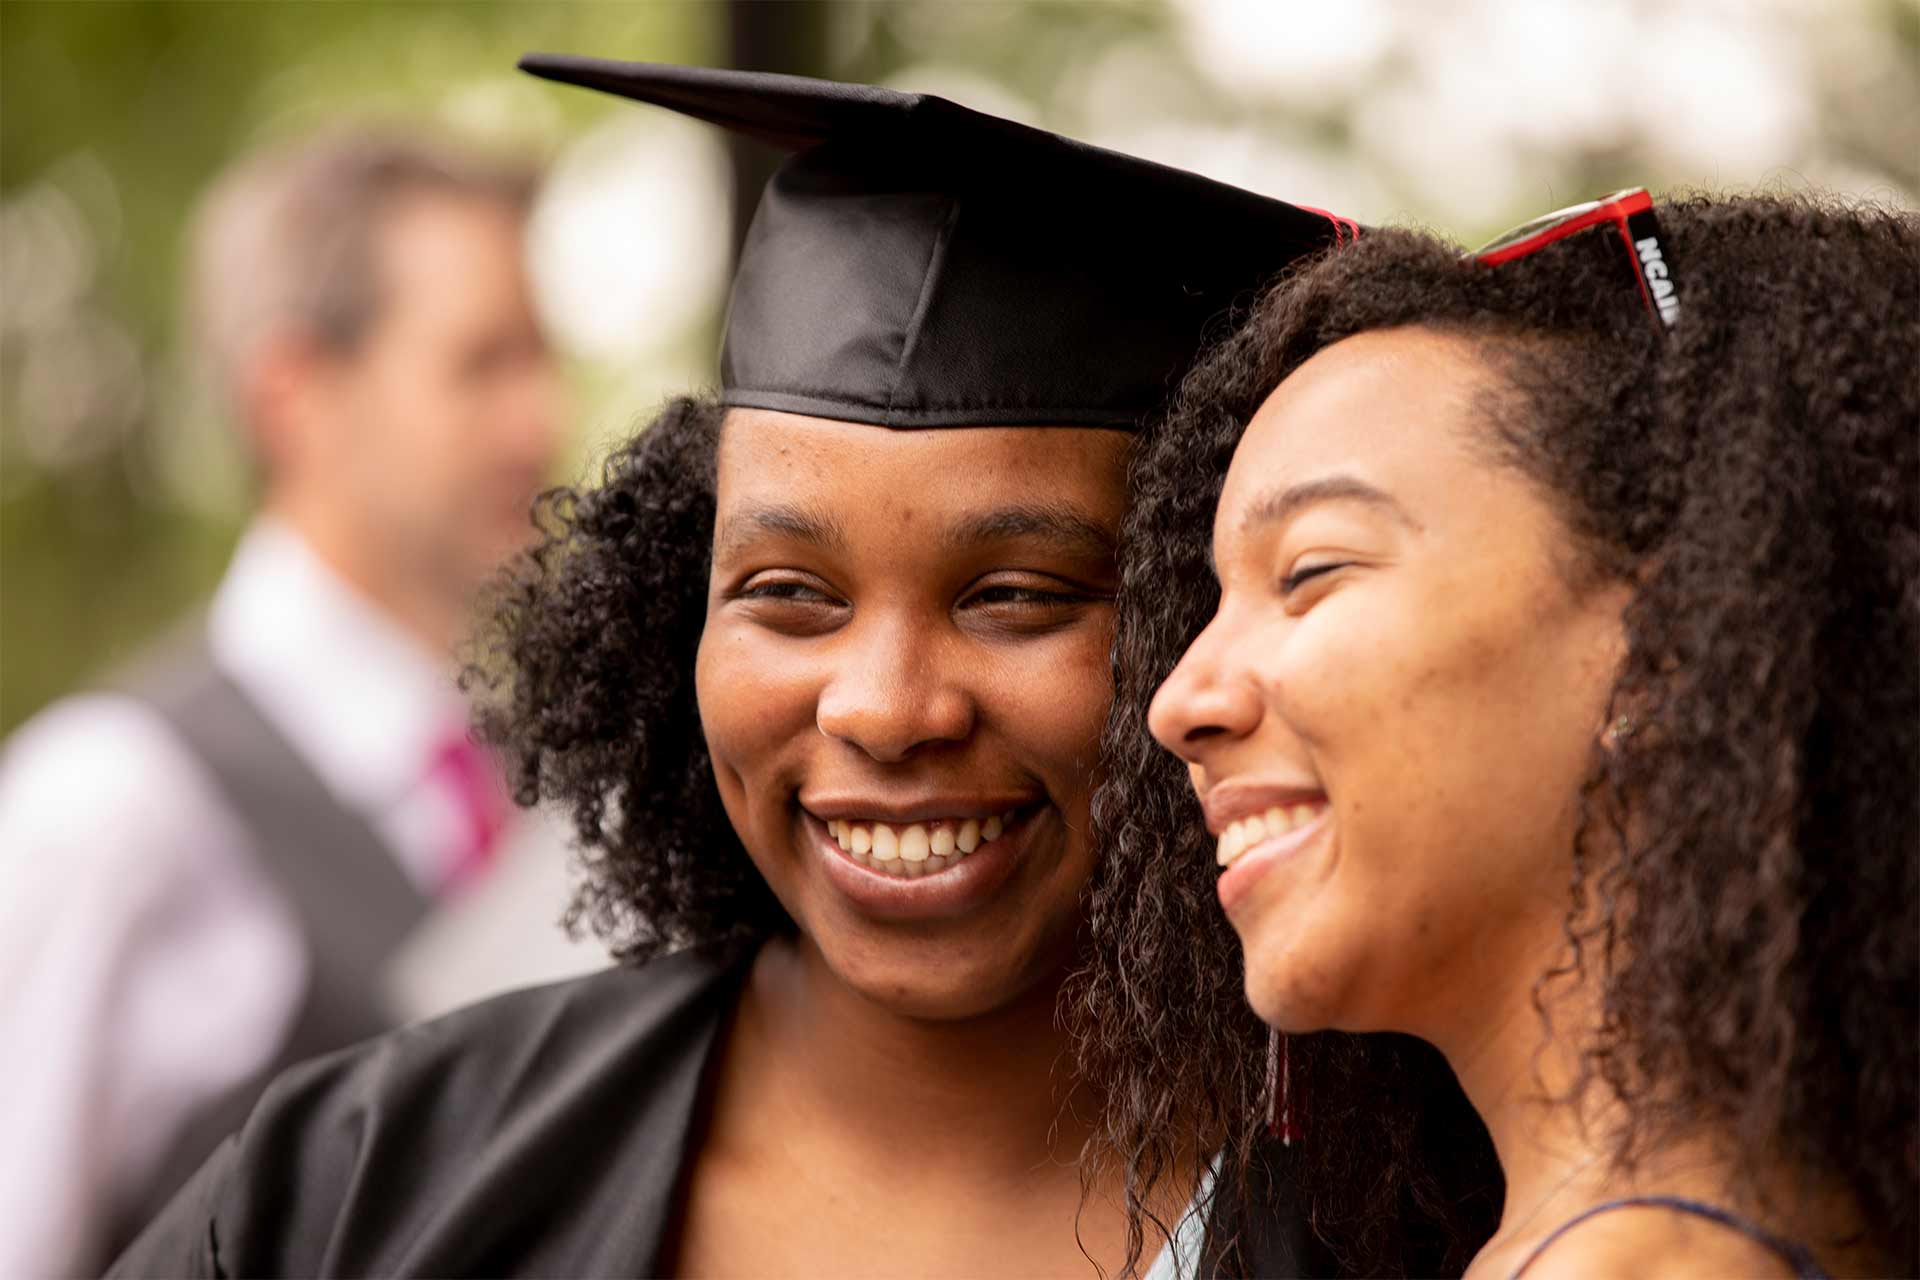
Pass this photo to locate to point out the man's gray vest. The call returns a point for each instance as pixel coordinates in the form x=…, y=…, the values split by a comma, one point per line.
x=353, y=903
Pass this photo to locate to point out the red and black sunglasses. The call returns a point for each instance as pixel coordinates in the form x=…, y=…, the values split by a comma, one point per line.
x=1630, y=212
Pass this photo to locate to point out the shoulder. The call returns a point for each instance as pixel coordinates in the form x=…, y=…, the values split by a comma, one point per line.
x=89, y=756
x=1657, y=1242
x=101, y=804
x=560, y=1033
x=530, y=1101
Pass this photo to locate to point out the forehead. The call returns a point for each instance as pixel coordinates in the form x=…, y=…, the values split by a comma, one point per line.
x=432, y=248
x=1383, y=405
x=867, y=473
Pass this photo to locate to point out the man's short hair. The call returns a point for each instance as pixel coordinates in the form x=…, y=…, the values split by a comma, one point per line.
x=285, y=241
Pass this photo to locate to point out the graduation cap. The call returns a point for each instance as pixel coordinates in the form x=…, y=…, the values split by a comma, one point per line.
x=915, y=263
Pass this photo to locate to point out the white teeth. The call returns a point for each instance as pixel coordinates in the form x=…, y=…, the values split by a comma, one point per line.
x=914, y=844
x=1246, y=832
x=917, y=848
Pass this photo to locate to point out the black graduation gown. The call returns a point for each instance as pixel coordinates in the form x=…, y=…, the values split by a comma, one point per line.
x=543, y=1132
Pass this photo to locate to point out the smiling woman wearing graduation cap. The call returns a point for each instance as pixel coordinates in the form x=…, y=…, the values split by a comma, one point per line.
x=822, y=669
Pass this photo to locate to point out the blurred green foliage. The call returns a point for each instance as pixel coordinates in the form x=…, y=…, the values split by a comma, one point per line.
x=129, y=110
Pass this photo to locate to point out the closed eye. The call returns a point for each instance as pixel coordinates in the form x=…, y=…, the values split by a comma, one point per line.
x=1036, y=606
x=790, y=605
x=784, y=590
x=1300, y=577
x=1023, y=595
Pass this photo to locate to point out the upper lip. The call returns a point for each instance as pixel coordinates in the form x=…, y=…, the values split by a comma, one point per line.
x=1227, y=802
x=895, y=809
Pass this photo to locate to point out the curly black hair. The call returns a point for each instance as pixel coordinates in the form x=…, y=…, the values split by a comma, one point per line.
x=1754, y=919
x=584, y=667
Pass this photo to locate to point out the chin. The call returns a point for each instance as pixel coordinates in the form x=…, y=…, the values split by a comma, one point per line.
x=1270, y=1008
x=1280, y=998
x=923, y=982
x=928, y=1003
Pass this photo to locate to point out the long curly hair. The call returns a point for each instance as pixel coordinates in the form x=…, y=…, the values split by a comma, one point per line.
x=1746, y=889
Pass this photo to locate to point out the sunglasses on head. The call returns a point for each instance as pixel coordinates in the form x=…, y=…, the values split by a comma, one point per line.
x=1629, y=212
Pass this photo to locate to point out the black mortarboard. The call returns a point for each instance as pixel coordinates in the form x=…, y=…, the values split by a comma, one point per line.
x=919, y=264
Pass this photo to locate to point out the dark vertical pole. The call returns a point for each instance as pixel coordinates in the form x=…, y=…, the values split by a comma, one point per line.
x=769, y=35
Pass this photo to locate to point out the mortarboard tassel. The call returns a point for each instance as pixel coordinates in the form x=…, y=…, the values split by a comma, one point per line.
x=1280, y=1119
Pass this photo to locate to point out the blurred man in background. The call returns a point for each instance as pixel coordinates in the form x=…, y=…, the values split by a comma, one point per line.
x=249, y=850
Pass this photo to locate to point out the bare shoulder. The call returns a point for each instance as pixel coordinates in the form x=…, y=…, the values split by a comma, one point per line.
x=1656, y=1242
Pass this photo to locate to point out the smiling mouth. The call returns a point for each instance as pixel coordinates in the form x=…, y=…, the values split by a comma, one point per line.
x=1249, y=831
x=915, y=849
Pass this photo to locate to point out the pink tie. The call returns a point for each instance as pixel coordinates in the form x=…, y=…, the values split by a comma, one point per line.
x=472, y=777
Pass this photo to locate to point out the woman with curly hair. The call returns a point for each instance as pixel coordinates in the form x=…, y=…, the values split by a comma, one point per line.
x=820, y=668
x=1560, y=706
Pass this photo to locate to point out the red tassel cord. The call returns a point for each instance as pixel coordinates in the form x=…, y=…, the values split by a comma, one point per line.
x=1281, y=1122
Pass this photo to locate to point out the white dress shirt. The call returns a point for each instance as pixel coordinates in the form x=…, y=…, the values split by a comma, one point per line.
x=147, y=964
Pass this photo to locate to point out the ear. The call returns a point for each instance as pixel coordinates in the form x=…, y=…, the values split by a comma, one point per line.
x=284, y=397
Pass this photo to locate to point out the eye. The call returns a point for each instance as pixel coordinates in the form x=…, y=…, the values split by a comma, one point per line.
x=784, y=589
x=790, y=603
x=1304, y=574
x=1014, y=595
x=1028, y=604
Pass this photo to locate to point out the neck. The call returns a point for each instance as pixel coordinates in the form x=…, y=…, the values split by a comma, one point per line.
x=995, y=1086
x=1549, y=1151
x=1557, y=1152
x=370, y=566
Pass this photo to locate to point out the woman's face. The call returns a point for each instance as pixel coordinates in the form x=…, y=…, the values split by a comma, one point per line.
x=903, y=679
x=1389, y=719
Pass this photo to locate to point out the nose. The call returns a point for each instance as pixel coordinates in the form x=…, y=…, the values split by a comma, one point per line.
x=1204, y=703
x=893, y=692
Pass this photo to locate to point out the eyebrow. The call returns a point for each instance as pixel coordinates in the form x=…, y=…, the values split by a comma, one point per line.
x=1277, y=506
x=779, y=520
x=1061, y=525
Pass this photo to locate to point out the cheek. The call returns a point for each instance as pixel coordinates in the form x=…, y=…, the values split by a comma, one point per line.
x=754, y=698
x=427, y=394
x=1409, y=675
x=400, y=442
x=1450, y=739
x=1052, y=698
x=1334, y=674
